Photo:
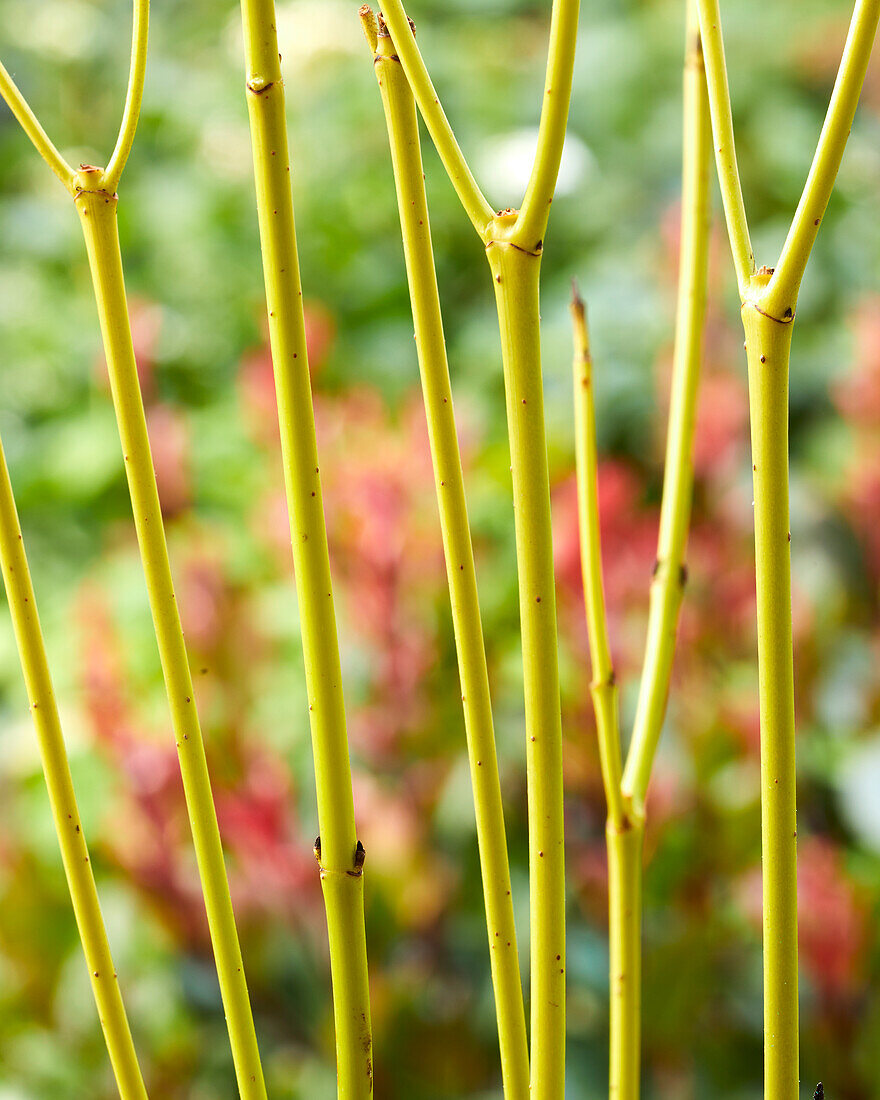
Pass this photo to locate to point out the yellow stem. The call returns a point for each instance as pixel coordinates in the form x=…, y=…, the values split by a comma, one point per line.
x=725, y=146
x=624, y=847
x=768, y=343
x=625, y=827
x=56, y=769
x=670, y=574
x=31, y=126
x=515, y=273
x=97, y=211
x=402, y=122
x=134, y=95
x=554, y=118
x=603, y=688
x=339, y=855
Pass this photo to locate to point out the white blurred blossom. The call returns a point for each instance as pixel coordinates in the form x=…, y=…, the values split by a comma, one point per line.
x=504, y=164
x=309, y=28
x=858, y=791
x=60, y=29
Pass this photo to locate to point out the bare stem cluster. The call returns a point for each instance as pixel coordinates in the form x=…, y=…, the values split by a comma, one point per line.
x=513, y=240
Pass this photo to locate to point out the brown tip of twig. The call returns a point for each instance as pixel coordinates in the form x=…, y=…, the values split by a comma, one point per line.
x=368, y=23
x=580, y=330
x=578, y=308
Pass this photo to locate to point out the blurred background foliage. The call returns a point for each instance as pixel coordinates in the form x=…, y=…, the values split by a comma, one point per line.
x=190, y=241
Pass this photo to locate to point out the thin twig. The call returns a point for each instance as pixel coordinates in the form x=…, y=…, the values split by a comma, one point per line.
x=603, y=687
x=133, y=96
x=31, y=126
x=625, y=796
x=725, y=146
x=670, y=573
x=535, y=209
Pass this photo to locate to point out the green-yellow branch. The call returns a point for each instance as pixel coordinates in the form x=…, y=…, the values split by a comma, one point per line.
x=624, y=829
x=515, y=274
x=768, y=344
x=725, y=146
x=97, y=210
x=28, y=121
x=670, y=574
x=340, y=859
x=31, y=126
x=134, y=95
x=56, y=769
x=603, y=687
x=402, y=122
x=624, y=847
x=554, y=118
